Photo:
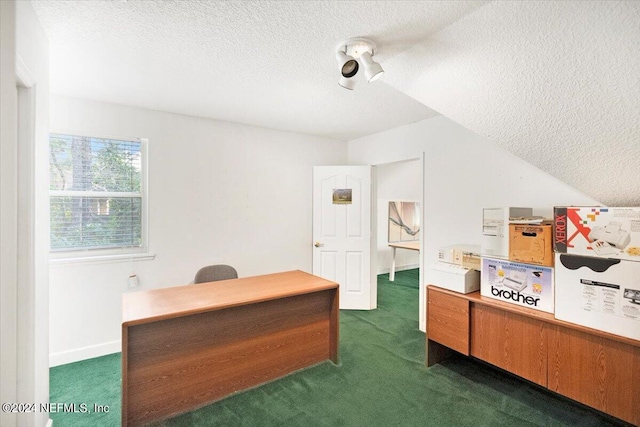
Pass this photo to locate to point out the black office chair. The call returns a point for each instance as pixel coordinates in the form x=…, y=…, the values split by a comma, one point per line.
x=211, y=273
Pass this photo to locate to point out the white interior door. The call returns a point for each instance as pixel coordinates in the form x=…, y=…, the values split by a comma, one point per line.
x=342, y=233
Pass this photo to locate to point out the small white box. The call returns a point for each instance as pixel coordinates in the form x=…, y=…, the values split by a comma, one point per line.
x=453, y=277
x=600, y=293
x=495, y=229
x=526, y=285
x=597, y=231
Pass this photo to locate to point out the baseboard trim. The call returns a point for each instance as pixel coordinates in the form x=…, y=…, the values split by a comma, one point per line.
x=89, y=352
x=398, y=268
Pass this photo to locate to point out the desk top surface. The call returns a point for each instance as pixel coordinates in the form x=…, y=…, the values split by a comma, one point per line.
x=414, y=246
x=166, y=303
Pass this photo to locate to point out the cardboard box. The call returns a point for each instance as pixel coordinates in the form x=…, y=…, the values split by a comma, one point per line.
x=599, y=293
x=495, y=229
x=597, y=232
x=527, y=285
x=453, y=277
x=531, y=244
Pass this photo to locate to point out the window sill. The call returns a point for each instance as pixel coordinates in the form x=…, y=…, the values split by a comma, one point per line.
x=101, y=259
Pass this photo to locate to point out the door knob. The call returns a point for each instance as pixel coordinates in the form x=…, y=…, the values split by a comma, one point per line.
x=317, y=244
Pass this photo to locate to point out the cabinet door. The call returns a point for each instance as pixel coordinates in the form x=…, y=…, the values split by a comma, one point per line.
x=510, y=341
x=596, y=371
x=448, y=320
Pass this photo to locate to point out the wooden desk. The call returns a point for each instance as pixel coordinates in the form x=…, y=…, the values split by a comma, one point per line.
x=184, y=347
x=595, y=368
x=412, y=246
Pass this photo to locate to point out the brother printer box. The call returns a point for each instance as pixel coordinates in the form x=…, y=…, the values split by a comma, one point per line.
x=597, y=232
x=600, y=293
x=526, y=285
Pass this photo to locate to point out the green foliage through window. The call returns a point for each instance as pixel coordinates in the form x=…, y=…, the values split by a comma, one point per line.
x=95, y=193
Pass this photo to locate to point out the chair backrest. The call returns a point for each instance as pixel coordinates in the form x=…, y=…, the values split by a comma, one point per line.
x=211, y=273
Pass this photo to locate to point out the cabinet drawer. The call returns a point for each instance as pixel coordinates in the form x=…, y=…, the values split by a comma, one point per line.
x=448, y=320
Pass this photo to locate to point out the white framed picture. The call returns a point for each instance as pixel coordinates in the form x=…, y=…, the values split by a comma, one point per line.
x=404, y=221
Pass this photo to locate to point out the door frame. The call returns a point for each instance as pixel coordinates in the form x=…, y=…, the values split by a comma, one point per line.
x=374, y=231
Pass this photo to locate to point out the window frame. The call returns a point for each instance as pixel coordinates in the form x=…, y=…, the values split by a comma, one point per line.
x=111, y=254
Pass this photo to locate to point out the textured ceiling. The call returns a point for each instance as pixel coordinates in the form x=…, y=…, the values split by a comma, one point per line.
x=556, y=83
x=264, y=63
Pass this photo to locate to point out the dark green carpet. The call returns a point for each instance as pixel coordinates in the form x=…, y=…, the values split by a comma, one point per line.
x=381, y=381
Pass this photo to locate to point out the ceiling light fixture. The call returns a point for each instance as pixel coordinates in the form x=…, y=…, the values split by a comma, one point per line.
x=372, y=70
x=348, y=68
x=353, y=53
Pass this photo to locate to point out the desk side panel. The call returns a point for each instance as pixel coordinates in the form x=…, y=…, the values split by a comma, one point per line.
x=125, y=368
x=177, y=365
x=334, y=333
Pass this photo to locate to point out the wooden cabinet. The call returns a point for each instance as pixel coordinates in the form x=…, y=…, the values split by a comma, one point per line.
x=597, y=371
x=512, y=342
x=595, y=368
x=449, y=321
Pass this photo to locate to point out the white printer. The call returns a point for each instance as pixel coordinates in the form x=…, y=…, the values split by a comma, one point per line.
x=451, y=272
x=453, y=277
x=611, y=234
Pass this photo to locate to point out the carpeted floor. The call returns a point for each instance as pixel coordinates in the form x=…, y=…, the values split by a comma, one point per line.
x=381, y=380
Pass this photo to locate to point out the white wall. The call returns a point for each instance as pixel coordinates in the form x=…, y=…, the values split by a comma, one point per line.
x=219, y=192
x=25, y=212
x=397, y=181
x=464, y=172
x=8, y=212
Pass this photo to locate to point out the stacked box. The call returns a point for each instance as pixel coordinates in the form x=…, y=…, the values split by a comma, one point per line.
x=598, y=268
x=598, y=231
x=600, y=293
x=495, y=229
x=526, y=285
x=531, y=244
x=467, y=256
x=471, y=261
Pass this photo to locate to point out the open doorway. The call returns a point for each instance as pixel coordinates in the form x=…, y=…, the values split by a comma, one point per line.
x=400, y=181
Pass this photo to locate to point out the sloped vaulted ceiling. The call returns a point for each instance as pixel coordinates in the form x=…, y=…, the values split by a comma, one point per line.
x=555, y=82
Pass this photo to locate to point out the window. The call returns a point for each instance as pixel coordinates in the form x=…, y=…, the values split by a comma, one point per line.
x=97, y=196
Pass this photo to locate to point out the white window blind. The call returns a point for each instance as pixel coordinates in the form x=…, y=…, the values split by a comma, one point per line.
x=96, y=193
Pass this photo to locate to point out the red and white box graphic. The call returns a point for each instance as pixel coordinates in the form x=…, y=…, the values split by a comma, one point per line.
x=597, y=231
